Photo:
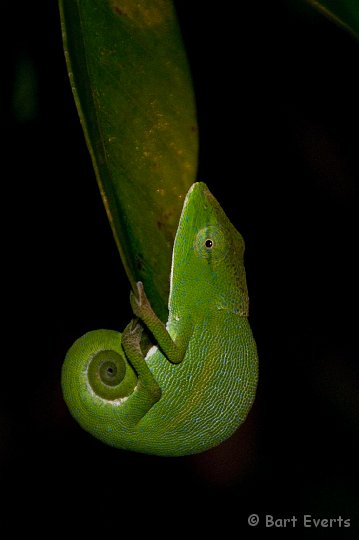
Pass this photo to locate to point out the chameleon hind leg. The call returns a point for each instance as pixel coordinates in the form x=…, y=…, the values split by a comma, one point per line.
x=147, y=386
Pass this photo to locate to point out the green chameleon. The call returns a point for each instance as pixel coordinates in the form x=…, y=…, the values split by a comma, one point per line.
x=194, y=389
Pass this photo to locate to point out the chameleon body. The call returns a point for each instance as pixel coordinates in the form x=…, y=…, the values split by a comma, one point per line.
x=196, y=386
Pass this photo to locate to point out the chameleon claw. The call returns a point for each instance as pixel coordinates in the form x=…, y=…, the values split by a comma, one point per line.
x=132, y=333
x=139, y=302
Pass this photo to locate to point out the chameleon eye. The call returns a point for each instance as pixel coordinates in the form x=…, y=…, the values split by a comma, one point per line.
x=211, y=243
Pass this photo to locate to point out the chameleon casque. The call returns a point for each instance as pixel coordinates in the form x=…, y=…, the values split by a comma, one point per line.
x=196, y=386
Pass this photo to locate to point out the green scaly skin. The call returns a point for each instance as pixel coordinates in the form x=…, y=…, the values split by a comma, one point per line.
x=194, y=389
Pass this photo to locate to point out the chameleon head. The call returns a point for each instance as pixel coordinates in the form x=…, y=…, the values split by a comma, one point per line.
x=208, y=255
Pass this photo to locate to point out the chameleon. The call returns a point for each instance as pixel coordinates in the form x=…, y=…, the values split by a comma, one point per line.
x=196, y=385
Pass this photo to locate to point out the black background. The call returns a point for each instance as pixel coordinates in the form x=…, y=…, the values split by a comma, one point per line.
x=277, y=104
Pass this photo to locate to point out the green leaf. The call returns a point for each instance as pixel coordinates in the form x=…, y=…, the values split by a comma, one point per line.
x=132, y=87
x=345, y=13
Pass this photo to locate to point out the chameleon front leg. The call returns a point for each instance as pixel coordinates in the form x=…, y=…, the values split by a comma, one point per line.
x=143, y=310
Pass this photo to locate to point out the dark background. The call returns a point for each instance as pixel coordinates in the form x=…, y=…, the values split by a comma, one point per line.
x=277, y=95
